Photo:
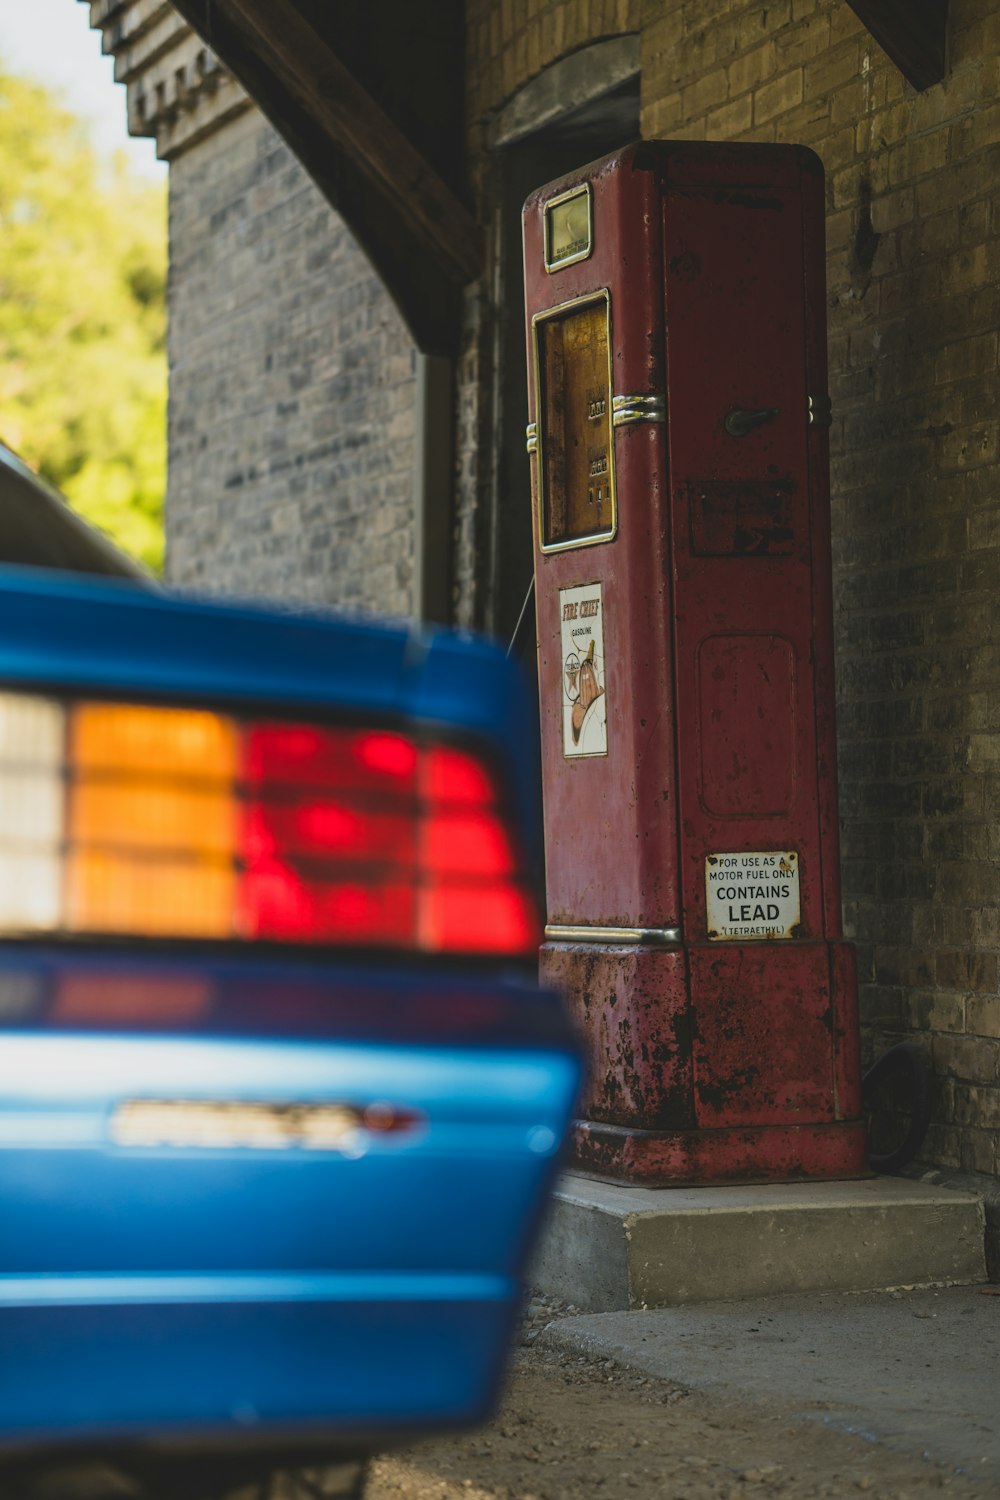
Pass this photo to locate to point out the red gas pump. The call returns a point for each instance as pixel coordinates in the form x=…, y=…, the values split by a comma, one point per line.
x=677, y=386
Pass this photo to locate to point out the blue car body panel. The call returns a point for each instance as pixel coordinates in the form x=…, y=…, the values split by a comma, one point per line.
x=226, y=1293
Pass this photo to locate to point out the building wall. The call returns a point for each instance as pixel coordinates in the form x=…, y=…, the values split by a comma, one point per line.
x=291, y=417
x=914, y=306
x=292, y=409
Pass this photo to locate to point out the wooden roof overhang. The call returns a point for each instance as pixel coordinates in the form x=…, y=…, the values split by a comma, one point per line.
x=370, y=96
x=913, y=34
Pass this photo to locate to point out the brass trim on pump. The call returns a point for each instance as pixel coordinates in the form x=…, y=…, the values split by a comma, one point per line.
x=653, y=937
x=627, y=410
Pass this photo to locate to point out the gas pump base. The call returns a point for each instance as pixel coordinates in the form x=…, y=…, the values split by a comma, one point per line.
x=692, y=1158
x=715, y=1063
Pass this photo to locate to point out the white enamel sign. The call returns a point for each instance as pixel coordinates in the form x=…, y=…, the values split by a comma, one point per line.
x=751, y=896
x=584, y=703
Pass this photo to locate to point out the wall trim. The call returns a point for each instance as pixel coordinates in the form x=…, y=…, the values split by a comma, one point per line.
x=177, y=90
x=563, y=86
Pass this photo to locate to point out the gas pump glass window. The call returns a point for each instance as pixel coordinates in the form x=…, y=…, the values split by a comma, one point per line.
x=576, y=481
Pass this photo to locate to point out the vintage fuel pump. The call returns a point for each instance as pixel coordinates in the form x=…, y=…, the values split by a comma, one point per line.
x=679, y=415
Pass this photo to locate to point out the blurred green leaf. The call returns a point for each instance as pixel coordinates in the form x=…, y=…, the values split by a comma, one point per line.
x=83, y=373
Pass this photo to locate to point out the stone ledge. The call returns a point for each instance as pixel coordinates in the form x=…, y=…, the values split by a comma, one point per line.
x=986, y=1188
x=611, y=1248
x=177, y=90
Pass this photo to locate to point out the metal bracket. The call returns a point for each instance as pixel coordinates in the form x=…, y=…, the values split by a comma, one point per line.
x=531, y=436
x=820, y=409
x=626, y=410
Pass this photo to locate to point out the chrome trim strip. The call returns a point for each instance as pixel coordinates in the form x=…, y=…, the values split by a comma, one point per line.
x=654, y=937
x=628, y=409
x=820, y=410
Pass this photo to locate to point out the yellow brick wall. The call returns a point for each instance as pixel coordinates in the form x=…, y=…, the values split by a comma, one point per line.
x=913, y=232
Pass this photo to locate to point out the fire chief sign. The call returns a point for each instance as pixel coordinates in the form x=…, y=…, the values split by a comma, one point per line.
x=584, y=706
x=752, y=895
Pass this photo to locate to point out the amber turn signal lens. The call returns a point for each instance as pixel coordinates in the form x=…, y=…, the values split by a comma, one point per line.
x=152, y=896
x=144, y=815
x=153, y=741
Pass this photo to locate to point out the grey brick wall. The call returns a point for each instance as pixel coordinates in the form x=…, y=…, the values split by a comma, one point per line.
x=291, y=388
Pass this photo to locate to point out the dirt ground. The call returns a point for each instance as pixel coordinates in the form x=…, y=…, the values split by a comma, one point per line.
x=572, y=1429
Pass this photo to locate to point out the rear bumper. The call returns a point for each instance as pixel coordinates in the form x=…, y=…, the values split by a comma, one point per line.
x=312, y=1360
x=293, y=1294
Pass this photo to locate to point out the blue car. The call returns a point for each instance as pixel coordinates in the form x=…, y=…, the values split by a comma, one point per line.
x=280, y=1098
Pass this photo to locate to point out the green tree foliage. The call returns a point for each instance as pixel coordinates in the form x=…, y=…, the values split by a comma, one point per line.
x=83, y=377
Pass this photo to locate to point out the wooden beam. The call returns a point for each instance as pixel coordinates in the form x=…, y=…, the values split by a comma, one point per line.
x=913, y=33
x=353, y=125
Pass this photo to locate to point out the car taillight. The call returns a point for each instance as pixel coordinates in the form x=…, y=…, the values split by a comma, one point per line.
x=130, y=820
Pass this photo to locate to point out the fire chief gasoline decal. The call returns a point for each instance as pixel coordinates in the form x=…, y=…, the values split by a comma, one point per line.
x=752, y=895
x=584, y=705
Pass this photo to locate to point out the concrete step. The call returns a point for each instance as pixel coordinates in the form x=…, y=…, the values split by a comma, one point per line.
x=610, y=1248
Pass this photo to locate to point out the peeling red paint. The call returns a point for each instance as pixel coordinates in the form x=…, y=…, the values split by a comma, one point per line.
x=693, y=1158
x=631, y=1008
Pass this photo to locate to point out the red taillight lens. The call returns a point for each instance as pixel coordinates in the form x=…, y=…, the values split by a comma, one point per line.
x=312, y=828
x=489, y=918
x=183, y=823
x=368, y=837
x=461, y=843
x=289, y=905
x=301, y=755
x=456, y=776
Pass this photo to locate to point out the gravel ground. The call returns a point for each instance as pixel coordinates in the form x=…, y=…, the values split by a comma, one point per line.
x=572, y=1427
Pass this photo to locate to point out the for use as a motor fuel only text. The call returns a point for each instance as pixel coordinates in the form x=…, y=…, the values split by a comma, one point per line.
x=752, y=895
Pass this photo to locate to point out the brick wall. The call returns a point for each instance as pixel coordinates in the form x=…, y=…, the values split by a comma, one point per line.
x=291, y=388
x=914, y=308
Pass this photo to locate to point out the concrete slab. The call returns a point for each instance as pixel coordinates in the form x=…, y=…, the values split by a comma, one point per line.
x=919, y=1371
x=609, y=1247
